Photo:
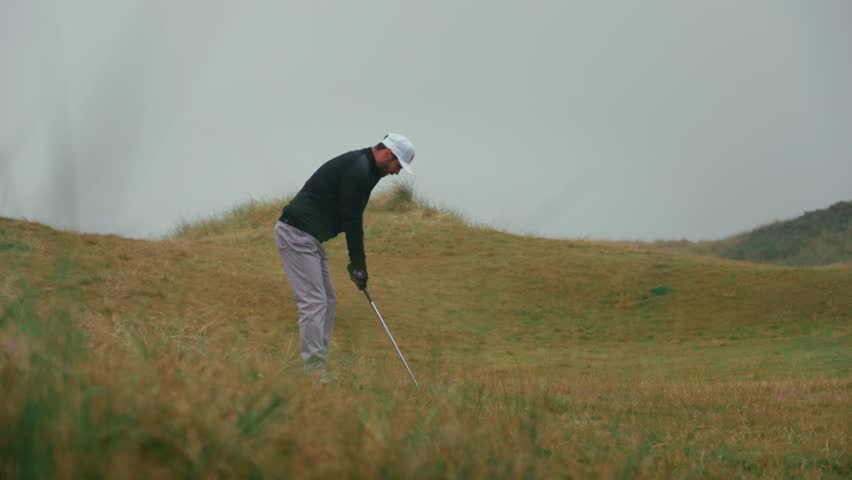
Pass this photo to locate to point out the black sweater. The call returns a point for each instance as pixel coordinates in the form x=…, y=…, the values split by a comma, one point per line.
x=333, y=201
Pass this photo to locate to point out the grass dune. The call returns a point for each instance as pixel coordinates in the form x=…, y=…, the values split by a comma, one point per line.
x=538, y=358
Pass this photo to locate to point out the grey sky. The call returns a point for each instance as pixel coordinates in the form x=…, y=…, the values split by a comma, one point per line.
x=602, y=119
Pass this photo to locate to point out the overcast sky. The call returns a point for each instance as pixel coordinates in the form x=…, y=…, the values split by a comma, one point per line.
x=598, y=119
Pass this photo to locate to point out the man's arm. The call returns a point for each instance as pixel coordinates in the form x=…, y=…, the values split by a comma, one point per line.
x=354, y=195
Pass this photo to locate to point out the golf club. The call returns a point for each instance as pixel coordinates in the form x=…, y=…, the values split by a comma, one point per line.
x=390, y=336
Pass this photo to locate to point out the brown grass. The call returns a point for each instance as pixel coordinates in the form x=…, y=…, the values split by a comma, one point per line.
x=538, y=358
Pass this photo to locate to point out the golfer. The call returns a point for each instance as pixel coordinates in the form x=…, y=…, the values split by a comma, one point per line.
x=330, y=202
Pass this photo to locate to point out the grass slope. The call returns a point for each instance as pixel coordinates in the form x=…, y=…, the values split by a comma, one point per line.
x=537, y=358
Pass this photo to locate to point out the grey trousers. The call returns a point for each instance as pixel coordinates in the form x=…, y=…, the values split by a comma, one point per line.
x=306, y=265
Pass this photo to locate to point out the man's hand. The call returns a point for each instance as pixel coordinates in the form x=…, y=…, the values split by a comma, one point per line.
x=358, y=274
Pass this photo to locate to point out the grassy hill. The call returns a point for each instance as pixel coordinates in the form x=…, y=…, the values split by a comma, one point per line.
x=820, y=237
x=537, y=358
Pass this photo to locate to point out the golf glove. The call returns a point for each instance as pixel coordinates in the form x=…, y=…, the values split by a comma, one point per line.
x=358, y=274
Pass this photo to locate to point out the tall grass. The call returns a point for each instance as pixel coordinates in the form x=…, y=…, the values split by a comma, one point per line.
x=165, y=414
x=254, y=213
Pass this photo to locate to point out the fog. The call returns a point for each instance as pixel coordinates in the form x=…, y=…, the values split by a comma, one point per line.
x=605, y=119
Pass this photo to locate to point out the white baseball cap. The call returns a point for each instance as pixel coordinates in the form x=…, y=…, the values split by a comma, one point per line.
x=402, y=148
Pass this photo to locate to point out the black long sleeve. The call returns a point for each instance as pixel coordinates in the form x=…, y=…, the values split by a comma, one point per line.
x=334, y=198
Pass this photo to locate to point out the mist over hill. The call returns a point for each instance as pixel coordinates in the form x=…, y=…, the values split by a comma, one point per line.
x=819, y=237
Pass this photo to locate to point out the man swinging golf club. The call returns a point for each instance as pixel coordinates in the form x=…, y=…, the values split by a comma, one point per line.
x=330, y=202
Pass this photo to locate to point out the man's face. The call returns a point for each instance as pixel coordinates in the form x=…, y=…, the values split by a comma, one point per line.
x=391, y=165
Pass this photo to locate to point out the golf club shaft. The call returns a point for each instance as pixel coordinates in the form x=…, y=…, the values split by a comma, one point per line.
x=390, y=336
